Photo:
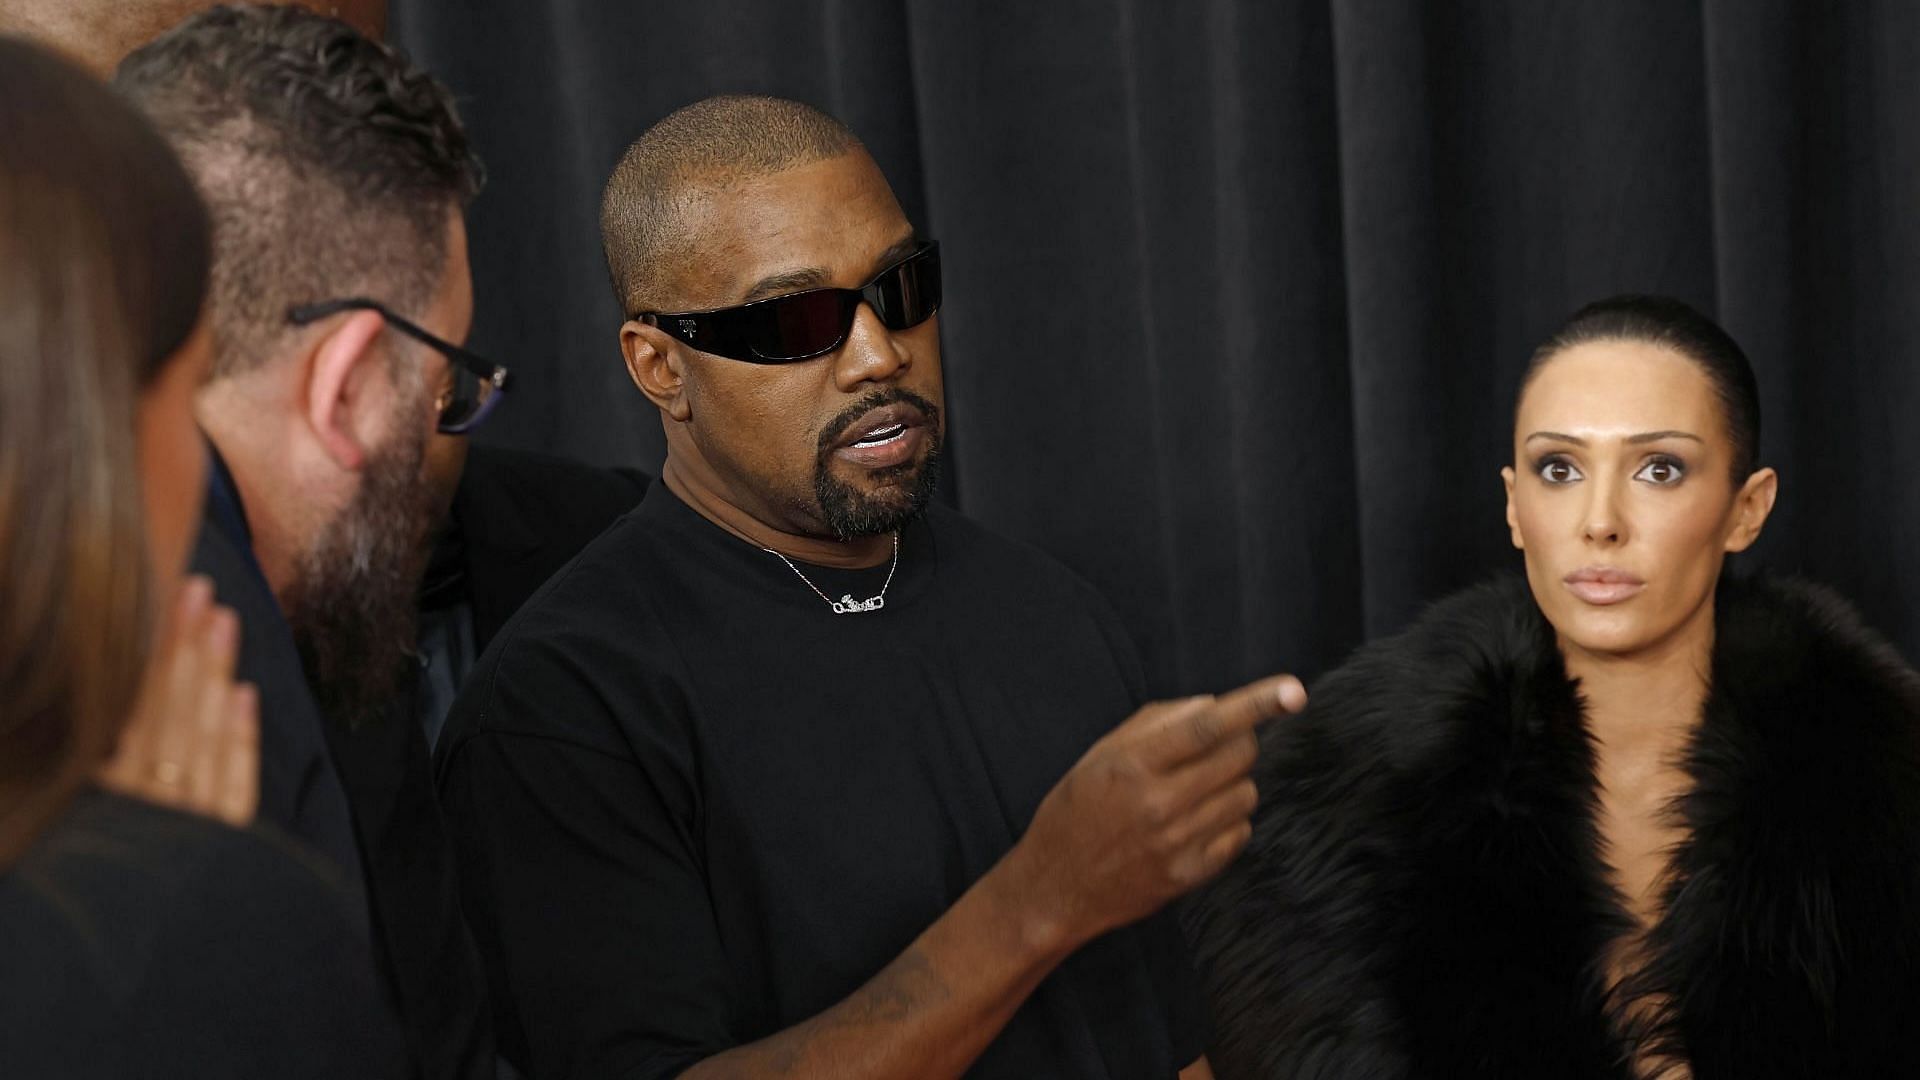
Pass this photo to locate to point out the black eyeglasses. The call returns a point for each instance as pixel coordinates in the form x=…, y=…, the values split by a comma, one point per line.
x=477, y=382
x=803, y=325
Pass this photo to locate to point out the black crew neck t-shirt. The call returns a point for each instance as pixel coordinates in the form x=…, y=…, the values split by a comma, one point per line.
x=692, y=806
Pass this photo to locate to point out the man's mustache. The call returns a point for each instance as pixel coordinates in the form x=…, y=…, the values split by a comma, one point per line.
x=874, y=400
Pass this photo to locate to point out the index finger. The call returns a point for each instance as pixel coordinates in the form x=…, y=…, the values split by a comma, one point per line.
x=1191, y=732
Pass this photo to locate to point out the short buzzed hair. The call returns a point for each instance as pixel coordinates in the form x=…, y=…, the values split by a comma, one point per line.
x=696, y=150
x=328, y=161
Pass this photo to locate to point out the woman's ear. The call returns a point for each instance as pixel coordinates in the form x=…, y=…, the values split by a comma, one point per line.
x=1751, y=507
x=1513, y=516
x=656, y=367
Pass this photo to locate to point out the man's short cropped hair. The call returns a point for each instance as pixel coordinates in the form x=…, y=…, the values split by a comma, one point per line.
x=698, y=149
x=328, y=161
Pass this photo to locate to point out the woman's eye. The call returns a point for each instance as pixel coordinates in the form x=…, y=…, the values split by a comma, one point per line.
x=1664, y=471
x=1557, y=470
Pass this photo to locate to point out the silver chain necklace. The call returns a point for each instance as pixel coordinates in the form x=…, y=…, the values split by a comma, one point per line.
x=847, y=605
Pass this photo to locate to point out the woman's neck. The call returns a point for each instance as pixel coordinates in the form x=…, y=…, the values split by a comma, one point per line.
x=1649, y=700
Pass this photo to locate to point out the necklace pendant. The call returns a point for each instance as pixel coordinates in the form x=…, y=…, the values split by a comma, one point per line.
x=847, y=605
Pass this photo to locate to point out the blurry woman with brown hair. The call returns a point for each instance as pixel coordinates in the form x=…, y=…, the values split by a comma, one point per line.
x=134, y=939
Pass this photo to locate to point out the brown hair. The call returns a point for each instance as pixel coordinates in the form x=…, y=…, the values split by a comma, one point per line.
x=328, y=160
x=103, y=267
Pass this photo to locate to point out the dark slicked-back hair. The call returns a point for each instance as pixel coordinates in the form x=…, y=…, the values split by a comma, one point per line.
x=328, y=161
x=1672, y=324
x=697, y=149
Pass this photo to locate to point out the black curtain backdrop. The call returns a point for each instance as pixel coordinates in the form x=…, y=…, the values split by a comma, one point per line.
x=1238, y=292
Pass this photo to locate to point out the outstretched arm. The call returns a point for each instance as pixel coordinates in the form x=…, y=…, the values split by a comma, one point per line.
x=1152, y=810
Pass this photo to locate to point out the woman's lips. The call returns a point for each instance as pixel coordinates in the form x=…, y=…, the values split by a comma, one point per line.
x=1603, y=585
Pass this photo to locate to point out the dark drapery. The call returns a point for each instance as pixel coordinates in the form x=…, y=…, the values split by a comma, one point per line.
x=1237, y=292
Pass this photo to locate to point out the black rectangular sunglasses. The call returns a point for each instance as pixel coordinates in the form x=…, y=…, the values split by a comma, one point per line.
x=476, y=384
x=803, y=325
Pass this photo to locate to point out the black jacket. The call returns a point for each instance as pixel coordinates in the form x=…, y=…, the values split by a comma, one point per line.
x=300, y=791
x=365, y=799
x=1424, y=895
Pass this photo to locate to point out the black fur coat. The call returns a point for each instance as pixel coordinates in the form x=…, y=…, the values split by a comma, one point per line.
x=1424, y=895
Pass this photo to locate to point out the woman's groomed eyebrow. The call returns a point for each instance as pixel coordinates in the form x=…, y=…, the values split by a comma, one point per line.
x=1632, y=440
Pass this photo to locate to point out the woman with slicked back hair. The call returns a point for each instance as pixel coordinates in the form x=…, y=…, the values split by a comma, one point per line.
x=1628, y=815
x=135, y=938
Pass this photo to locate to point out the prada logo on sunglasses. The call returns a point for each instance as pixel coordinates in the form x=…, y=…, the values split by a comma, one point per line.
x=814, y=322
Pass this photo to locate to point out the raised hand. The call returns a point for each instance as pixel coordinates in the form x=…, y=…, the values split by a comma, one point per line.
x=193, y=742
x=1152, y=810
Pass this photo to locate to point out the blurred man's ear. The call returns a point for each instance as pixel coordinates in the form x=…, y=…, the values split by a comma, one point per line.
x=347, y=392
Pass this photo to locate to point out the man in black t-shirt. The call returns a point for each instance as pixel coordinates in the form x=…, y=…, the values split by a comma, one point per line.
x=788, y=773
x=516, y=516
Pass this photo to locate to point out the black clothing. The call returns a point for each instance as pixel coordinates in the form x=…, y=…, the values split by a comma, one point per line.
x=136, y=941
x=694, y=807
x=447, y=653
x=377, y=783
x=520, y=516
x=517, y=517
x=299, y=790
x=423, y=947
x=1426, y=894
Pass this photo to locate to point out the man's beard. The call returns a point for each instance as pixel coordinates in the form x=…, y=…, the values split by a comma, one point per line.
x=353, y=603
x=903, y=490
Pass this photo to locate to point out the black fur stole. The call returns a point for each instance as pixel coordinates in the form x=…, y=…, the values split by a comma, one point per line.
x=1424, y=894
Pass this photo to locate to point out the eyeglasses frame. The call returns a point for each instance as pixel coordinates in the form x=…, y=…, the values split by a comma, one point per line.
x=479, y=366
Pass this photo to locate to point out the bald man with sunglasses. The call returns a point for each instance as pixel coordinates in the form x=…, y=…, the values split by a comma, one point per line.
x=792, y=773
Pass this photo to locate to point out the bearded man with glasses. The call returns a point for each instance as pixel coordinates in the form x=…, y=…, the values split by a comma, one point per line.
x=791, y=772
x=337, y=175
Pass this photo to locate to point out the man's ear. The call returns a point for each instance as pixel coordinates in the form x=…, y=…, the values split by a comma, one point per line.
x=1751, y=507
x=1513, y=517
x=337, y=386
x=656, y=367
